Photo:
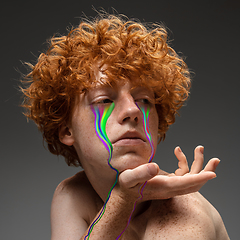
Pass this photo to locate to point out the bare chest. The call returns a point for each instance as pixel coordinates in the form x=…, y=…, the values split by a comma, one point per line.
x=152, y=224
x=170, y=221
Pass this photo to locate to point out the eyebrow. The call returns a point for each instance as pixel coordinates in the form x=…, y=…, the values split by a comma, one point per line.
x=103, y=84
x=102, y=88
x=142, y=89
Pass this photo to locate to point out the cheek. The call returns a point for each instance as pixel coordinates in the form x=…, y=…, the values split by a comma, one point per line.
x=153, y=127
x=110, y=130
x=87, y=143
x=83, y=129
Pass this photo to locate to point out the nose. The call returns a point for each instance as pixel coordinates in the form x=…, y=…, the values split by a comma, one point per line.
x=128, y=111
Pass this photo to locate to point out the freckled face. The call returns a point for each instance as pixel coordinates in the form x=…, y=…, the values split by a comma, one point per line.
x=124, y=128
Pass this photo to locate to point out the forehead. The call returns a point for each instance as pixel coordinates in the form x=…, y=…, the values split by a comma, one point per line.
x=105, y=80
x=133, y=87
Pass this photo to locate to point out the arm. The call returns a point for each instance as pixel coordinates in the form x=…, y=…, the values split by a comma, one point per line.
x=70, y=210
x=68, y=223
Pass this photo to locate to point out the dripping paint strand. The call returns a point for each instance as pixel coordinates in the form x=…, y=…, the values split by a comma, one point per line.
x=101, y=117
x=145, y=112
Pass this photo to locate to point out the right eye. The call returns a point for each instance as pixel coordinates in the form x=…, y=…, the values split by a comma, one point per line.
x=104, y=101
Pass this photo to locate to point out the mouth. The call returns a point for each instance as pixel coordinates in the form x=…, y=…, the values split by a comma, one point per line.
x=129, y=138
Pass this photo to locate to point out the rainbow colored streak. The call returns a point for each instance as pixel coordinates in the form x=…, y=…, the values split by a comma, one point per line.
x=101, y=116
x=145, y=109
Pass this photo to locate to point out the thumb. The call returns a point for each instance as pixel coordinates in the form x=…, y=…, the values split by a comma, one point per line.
x=132, y=177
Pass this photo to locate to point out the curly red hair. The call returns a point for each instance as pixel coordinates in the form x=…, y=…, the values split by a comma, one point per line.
x=127, y=48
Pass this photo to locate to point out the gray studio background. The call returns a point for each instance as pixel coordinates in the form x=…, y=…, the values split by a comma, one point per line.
x=206, y=32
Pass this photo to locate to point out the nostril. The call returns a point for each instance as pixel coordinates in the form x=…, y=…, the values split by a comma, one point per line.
x=125, y=119
x=135, y=119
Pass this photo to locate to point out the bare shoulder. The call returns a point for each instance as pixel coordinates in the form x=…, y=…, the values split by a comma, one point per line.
x=73, y=207
x=74, y=187
x=212, y=216
x=189, y=216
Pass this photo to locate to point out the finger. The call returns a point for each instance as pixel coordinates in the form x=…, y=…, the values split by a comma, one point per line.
x=182, y=162
x=212, y=165
x=163, y=187
x=189, y=180
x=194, y=188
x=132, y=177
x=195, y=185
x=198, y=160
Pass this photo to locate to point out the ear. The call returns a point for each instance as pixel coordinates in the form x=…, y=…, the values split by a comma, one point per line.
x=65, y=135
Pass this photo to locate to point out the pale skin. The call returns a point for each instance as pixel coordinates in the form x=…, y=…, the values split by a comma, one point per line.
x=171, y=207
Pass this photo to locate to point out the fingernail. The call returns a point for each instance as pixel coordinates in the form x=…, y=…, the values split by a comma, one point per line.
x=202, y=150
x=152, y=169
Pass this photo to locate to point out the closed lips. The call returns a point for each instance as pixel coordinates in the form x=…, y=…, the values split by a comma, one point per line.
x=129, y=138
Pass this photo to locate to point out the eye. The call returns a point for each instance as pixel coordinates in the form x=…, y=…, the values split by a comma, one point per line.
x=143, y=100
x=104, y=101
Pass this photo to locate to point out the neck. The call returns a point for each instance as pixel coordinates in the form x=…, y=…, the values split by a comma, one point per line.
x=102, y=184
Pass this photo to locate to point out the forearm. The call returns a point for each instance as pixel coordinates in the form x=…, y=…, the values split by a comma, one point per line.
x=113, y=221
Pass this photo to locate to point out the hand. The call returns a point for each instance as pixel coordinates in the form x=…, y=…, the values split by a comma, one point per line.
x=166, y=186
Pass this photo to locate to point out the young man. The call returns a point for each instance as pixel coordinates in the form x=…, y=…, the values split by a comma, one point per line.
x=104, y=96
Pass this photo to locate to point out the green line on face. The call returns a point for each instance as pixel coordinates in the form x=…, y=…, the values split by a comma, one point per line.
x=145, y=109
x=101, y=117
x=106, y=113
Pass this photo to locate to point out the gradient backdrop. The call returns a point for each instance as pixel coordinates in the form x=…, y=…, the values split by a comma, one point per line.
x=206, y=32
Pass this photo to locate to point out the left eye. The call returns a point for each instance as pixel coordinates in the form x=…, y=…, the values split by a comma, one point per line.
x=144, y=101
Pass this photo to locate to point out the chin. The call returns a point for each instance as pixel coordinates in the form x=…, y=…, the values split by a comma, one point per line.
x=128, y=161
